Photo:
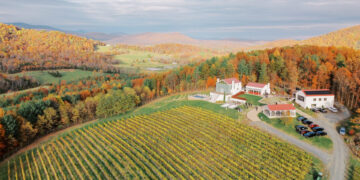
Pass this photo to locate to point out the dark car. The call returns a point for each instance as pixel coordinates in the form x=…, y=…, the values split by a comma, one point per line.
x=308, y=122
x=317, y=129
x=299, y=128
x=323, y=110
x=309, y=134
x=304, y=132
x=313, y=125
x=314, y=109
x=300, y=118
x=321, y=133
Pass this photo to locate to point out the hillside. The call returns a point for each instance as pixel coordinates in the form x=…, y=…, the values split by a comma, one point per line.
x=146, y=39
x=347, y=37
x=29, y=49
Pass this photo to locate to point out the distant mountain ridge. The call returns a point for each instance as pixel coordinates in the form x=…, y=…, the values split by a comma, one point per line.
x=152, y=38
x=346, y=37
x=31, y=26
x=90, y=35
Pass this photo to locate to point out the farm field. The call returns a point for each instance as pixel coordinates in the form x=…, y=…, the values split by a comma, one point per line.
x=67, y=74
x=323, y=142
x=179, y=143
x=139, y=59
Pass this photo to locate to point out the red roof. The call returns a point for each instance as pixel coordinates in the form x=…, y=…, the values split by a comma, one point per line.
x=229, y=80
x=258, y=85
x=279, y=107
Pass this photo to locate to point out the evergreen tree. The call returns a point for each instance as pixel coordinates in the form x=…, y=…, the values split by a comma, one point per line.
x=263, y=73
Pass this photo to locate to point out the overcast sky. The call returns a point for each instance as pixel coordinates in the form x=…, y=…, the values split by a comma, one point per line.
x=204, y=19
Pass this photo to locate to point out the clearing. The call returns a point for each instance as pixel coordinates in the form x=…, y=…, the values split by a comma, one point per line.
x=66, y=74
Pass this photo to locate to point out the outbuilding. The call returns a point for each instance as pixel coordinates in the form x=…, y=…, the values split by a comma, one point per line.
x=279, y=110
x=257, y=88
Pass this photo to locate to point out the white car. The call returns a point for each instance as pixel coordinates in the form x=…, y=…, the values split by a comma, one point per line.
x=342, y=131
x=332, y=109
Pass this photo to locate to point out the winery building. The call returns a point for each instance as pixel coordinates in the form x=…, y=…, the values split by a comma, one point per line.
x=315, y=98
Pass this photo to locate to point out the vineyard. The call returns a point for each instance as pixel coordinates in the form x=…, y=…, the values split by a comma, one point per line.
x=181, y=143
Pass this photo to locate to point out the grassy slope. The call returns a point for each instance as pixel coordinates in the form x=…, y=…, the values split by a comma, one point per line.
x=319, y=141
x=68, y=75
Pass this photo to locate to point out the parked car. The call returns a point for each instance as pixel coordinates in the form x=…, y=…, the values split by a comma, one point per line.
x=321, y=133
x=300, y=128
x=342, y=131
x=315, y=109
x=300, y=118
x=317, y=129
x=313, y=125
x=309, y=134
x=323, y=110
x=333, y=109
x=304, y=132
x=308, y=122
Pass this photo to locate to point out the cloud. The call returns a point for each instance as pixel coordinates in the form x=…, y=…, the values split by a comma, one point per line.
x=262, y=19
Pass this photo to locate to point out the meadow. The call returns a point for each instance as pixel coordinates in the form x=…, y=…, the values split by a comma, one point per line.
x=157, y=144
x=68, y=75
x=140, y=59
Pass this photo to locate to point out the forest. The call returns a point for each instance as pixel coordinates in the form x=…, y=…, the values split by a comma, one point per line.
x=28, y=49
x=26, y=116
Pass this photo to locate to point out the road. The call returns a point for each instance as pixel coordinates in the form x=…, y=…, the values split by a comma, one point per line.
x=340, y=154
x=335, y=162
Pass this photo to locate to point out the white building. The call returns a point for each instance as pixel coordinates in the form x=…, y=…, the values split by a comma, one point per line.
x=315, y=98
x=279, y=110
x=227, y=87
x=258, y=88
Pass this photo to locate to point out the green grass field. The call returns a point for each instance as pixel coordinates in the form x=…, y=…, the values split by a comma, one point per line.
x=67, y=74
x=323, y=142
x=140, y=60
x=254, y=100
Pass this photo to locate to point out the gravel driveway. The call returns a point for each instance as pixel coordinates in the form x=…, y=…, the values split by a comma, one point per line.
x=336, y=161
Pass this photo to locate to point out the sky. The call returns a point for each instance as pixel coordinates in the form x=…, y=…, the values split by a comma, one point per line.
x=201, y=19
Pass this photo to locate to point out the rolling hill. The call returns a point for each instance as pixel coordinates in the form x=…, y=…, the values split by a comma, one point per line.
x=146, y=39
x=347, y=37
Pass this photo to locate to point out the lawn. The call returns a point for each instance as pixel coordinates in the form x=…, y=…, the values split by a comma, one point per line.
x=67, y=74
x=307, y=111
x=254, y=100
x=320, y=141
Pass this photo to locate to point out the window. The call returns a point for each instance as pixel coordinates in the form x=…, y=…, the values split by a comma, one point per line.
x=314, y=99
x=325, y=99
x=300, y=98
x=319, y=99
